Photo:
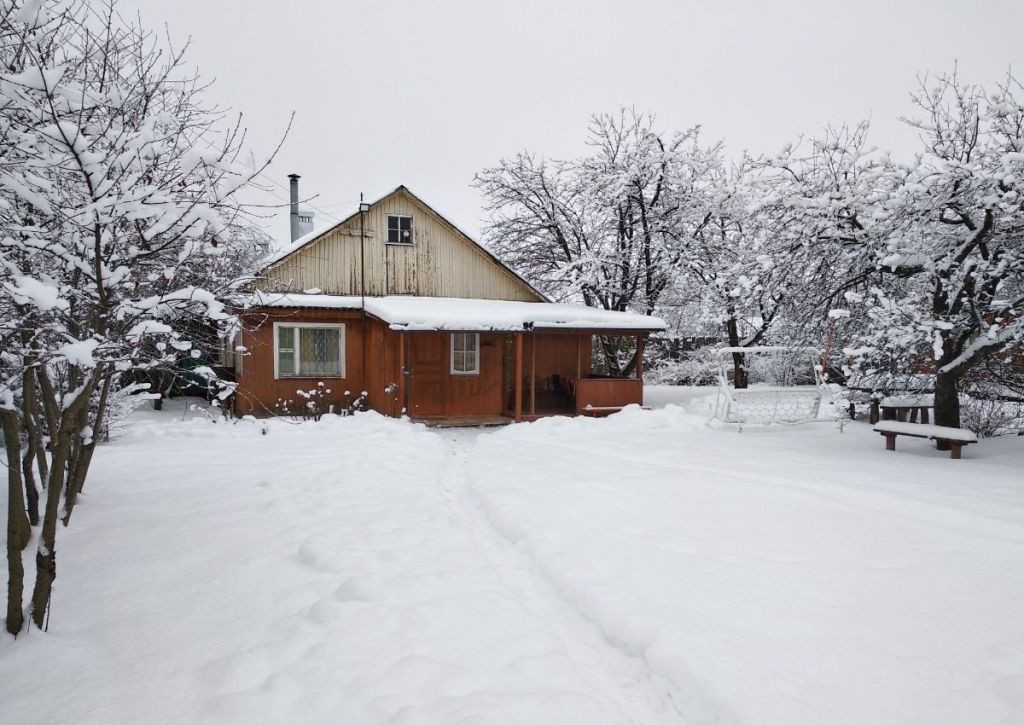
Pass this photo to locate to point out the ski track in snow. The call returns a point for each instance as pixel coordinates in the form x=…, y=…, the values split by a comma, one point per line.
x=604, y=662
x=637, y=570
x=344, y=588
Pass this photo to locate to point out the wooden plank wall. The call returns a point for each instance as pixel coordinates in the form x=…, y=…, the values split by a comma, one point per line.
x=441, y=262
x=439, y=393
x=258, y=392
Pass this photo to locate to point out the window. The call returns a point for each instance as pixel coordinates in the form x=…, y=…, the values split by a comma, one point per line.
x=304, y=350
x=399, y=229
x=465, y=353
x=613, y=356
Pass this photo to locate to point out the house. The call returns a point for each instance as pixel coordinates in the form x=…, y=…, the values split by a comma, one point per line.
x=396, y=301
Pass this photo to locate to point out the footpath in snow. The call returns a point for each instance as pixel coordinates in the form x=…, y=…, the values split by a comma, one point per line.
x=321, y=573
x=637, y=569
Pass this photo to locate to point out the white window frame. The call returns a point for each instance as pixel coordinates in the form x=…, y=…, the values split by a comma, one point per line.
x=320, y=325
x=476, y=354
x=387, y=230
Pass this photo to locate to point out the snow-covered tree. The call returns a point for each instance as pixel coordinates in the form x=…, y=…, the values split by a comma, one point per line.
x=928, y=255
x=958, y=217
x=606, y=229
x=118, y=186
x=738, y=263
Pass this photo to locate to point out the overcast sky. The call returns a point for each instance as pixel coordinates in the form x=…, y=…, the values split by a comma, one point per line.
x=428, y=93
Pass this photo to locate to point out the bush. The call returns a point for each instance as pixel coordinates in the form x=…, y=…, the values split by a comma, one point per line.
x=989, y=418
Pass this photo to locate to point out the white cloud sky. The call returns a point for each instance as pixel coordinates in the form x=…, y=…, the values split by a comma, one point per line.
x=428, y=93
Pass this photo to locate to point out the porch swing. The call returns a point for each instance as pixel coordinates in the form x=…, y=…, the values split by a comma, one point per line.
x=784, y=386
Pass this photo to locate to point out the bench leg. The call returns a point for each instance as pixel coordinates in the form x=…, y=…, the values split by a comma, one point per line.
x=873, y=412
x=924, y=416
x=954, y=450
x=890, y=441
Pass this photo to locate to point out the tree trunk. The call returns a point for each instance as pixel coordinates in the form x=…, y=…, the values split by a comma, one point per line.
x=947, y=403
x=46, y=555
x=61, y=436
x=947, y=394
x=18, y=530
x=82, y=459
x=35, y=455
x=739, y=372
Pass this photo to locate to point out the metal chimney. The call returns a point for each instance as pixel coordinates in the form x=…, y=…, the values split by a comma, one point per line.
x=293, y=187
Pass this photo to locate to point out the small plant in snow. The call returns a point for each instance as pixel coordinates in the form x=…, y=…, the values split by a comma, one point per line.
x=354, y=405
x=316, y=402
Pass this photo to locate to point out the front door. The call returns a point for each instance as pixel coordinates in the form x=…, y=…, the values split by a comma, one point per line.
x=427, y=373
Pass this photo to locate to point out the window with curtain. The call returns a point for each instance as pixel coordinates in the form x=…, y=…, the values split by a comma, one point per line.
x=465, y=353
x=310, y=351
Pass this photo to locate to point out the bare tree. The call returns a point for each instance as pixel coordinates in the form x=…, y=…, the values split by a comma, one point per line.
x=123, y=184
x=607, y=229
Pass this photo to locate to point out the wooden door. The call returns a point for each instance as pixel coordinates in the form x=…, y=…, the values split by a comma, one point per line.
x=427, y=358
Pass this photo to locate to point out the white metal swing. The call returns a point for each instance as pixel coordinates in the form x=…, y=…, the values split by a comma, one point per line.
x=784, y=386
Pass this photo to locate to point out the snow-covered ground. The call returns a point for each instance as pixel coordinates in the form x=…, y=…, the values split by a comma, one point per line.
x=643, y=568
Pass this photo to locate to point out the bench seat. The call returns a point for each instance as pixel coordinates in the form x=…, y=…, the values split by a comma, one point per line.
x=955, y=437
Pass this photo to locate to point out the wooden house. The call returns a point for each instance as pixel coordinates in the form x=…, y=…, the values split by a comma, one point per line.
x=396, y=304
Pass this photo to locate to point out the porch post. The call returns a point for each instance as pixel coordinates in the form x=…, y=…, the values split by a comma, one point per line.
x=579, y=369
x=519, y=378
x=403, y=374
x=640, y=364
x=533, y=375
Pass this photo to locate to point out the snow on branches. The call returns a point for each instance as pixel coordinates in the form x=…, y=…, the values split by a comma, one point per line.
x=119, y=191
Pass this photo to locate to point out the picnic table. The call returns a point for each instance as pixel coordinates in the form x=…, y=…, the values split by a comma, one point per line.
x=905, y=410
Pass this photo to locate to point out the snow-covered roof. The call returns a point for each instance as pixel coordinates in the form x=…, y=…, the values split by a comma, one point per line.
x=403, y=312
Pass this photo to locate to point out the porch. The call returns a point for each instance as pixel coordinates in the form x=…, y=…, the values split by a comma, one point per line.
x=569, y=373
x=519, y=376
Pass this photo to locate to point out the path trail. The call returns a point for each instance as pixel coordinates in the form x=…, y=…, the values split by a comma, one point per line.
x=314, y=573
x=622, y=675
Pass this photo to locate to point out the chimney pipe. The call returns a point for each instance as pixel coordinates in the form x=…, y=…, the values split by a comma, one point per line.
x=293, y=187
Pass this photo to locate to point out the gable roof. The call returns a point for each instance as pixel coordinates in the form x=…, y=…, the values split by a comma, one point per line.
x=304, y=241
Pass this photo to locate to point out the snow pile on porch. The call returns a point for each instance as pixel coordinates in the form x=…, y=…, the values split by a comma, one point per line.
x=403, y=312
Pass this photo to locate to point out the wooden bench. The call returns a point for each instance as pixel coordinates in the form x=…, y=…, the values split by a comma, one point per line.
x=600, y=411
x=955, y=437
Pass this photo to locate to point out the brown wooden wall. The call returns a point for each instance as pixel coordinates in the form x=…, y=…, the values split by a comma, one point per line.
x=435, y=392
x=374, y=358
x=608, y=393
x=258, y=393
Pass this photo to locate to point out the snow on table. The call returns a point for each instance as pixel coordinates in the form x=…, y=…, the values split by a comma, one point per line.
x=925, y=430
x=907, y=402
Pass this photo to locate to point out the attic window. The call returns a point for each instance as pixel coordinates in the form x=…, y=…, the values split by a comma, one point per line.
x=399, y=229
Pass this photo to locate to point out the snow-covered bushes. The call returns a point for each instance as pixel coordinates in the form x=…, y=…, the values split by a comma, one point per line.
x=696, y=368
x=991, y=417
x=316, y=402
